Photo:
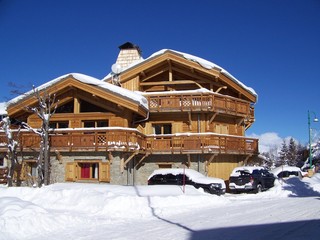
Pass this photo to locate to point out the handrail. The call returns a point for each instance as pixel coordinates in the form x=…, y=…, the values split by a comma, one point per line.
x=199, y=102
x=129, y=139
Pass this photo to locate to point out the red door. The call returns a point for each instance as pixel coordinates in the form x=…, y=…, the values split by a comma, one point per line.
x=85, y=170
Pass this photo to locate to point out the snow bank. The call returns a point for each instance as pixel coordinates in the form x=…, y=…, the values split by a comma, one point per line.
x=78, y=208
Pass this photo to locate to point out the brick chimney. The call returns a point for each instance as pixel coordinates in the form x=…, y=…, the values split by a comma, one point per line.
x=129, y=53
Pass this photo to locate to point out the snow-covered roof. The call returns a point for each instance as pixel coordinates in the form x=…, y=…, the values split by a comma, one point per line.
x=3, y=107
x=133, y=96
x=204, y=63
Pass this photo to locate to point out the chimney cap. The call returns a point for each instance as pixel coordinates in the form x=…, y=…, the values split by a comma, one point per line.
x=129, y=45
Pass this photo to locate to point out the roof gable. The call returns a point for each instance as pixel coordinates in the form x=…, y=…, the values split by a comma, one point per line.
x=185, y=65
x=88, y=86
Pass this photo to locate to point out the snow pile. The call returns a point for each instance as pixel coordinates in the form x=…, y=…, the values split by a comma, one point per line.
x=76, y=210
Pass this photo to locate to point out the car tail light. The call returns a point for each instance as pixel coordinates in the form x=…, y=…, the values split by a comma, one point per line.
x=251, y=179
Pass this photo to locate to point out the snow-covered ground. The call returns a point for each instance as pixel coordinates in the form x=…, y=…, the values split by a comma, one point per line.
x=290, y=210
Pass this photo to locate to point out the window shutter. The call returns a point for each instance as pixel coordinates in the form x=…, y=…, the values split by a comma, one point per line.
x=71, y=172
x=104, y=172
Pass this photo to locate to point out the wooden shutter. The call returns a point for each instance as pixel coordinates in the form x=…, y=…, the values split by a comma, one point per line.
x=104, y=172
x=71, y=172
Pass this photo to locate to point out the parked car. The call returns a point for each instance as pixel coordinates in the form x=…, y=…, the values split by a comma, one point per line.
x=180, y=176
x=284, y=172
x=250, y=179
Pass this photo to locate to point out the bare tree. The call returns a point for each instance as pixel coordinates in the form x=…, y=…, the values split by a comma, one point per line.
x=12, y=148
x=45, y=108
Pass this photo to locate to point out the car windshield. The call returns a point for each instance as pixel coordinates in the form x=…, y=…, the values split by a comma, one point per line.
x=242, y=172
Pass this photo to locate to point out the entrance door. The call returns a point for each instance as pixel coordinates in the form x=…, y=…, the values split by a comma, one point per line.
x=85, y=170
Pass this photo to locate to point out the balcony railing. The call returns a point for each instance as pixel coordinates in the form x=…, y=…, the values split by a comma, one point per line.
x=130, y=140
x=201, y=143
x=200, y=102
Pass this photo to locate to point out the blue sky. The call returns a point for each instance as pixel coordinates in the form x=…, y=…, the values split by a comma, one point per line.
x=272, y=46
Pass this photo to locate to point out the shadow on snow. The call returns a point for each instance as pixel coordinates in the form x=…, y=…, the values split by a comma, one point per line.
x=298, y=230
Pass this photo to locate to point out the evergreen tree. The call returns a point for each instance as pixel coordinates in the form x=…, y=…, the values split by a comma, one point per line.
x=292, y=154
x=302, y=155
x=284, y=153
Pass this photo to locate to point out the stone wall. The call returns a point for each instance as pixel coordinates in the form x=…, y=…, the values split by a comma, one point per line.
x=131, y=174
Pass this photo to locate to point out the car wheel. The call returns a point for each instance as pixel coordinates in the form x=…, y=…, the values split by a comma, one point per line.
x=259, y=188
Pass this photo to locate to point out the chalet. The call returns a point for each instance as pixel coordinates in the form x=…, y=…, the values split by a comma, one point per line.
x=169, y=110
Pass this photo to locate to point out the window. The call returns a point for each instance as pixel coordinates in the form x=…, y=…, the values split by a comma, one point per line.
x=95, y=124
x=66, y=108
x=89, y=170
x=58, y=124
x=165, y=165
x=162, y=128
x=1, y=161
x=89, y=107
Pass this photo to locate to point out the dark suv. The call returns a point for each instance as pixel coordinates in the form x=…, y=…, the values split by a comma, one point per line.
x=180, y=176
x=250, y=179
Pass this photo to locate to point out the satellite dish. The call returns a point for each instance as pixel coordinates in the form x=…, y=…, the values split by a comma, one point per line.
x=116, y=68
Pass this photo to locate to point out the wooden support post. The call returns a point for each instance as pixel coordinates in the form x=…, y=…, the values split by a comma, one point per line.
x=245, y=161
x=170, y=71
x=213, y=117
x=141, y=160
x=241, y=121
x=129, y=158
x=110, y=157
x=122, y=165
x=58, y=156
x=219, y=89
x=190, y=121
x=209, y=161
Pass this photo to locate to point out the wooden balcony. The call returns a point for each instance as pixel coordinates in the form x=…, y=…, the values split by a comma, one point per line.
x=212, y=102
x=130, y=140
x=201, y=143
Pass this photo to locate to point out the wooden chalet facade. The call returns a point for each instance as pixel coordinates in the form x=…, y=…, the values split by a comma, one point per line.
x=169, y=110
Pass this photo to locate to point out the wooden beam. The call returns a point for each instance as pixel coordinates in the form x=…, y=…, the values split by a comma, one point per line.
x=209, y=161
x=197, y=77
x=189, y=160
x=245, y=161
x=220, y=88
x=170, y=70
x=129, y=158
x=141, y=160
x=122, y=165
x=213, y=117
x=240, y=121
x=110, y=157
x=175, y=82
x=190, y=121
x=155, y=74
